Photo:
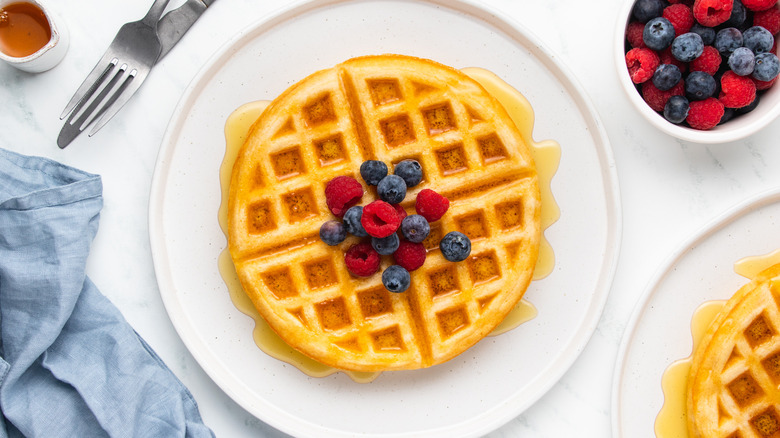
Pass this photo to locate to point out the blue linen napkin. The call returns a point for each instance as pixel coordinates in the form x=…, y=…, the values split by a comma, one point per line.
x=70, y=365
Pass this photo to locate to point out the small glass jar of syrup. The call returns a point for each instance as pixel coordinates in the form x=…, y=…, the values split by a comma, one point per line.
x=31, y=38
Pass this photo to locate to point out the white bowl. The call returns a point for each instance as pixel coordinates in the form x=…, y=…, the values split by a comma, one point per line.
x=735, y=129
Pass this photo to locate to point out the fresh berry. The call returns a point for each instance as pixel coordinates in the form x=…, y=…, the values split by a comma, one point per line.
x=410, y=255
x=656, y=98
x=699, y=85
x=641, y=64
x=728, y=114
x=396, y=279
x=431, y=205
x=645, y=10
x=708, y=62
x=769, y=20
x=705, y=114
x=738, y=16
x=415, y=228
x=373, y=171
x=634, y=34
x=742, y=61
x=455, y=246
x=681, y=17
x=687, y=47
x=763, y=85
x=401, y=212
x=410, y=171
x=352, y=221
x=385, y=245
x=707, y=34
x=712, y=12
x=380, y=219
x=658, y=33
x=665, y=57
x=759, y=5
x=341, y=193
x=392, y=189
x=362, y=260
x=749, y=107
x=727, y=40
x=333, y=232
x=758, y=40
x=736, y=91
x=767, y=67
x=666, y=76
x=676, y=109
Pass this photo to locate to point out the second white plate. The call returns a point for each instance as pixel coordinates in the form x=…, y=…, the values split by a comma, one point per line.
x=469, y=395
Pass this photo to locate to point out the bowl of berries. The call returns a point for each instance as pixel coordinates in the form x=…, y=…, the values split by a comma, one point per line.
x=701, y=70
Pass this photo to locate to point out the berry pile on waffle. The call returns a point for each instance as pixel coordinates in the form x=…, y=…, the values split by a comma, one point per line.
x=388, y=109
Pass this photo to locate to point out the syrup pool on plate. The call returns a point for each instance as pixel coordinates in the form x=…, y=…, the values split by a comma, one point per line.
x=546, y=155
x=672, y=419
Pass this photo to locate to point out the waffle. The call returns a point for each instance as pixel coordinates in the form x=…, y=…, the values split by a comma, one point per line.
x=387, y=108
x=733, y=383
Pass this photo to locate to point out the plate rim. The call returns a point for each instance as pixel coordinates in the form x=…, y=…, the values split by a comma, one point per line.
x=725, y=218
x=497, y=415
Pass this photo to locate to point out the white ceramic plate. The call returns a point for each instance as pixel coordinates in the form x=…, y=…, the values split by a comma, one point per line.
x=659, y=331
x=473, y=393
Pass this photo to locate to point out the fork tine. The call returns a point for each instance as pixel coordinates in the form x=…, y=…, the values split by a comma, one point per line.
x=91, y=83
x=120, y=98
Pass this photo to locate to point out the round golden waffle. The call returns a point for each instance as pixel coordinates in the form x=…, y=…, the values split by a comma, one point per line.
x=387, y=108
x=733, y=386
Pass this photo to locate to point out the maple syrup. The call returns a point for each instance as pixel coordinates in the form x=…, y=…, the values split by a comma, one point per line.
x=546, y=155
x=24, y=29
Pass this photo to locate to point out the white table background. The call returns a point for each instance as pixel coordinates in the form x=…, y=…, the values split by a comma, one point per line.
x=669, y=189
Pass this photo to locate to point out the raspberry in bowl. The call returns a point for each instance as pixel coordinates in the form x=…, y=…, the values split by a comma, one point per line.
x=701, y=70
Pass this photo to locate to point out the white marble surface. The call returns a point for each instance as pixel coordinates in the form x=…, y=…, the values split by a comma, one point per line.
x=669, y=189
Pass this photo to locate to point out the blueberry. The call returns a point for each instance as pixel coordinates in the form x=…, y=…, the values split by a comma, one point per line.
x=687, y=47
x=707, y=34
x=415, y=228
x=738, y=15
x=742, y=61
x=392, y=189
x=658, y=33
x=676, y=109
x=373, y=171
x=410, y=171
x=455, y=246
x=758, y=40
x=333, y=232
x=749, y=107
x=644, y=10
x=699, y=85
x=666, y=76
x=727, y=40
x=728, y=114
x=396, y=279
x=386, y=245
x=352, y=221
x=767, y=67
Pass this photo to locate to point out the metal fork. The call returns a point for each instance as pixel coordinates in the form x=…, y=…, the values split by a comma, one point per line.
x=116, y=77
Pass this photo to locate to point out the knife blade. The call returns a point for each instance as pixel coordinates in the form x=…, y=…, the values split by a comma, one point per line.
x=174, y=24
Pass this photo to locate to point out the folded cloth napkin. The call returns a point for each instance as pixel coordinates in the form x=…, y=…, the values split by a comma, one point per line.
x=70, y=365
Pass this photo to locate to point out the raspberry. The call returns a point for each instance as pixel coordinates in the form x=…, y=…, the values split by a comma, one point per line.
x=712, y=12
x=708, y=62
x=705, y=114
x=380, y=219
x=634, y=34
x=736, y=91
x=431, y=205
x=769, y=20
x=759, y=5
x=401, y=212
x=763, y=85
x=657, y=98
x=362, y=260
x=641, y=64
x=341, y=193
x=681, y=17
x=410, y=256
